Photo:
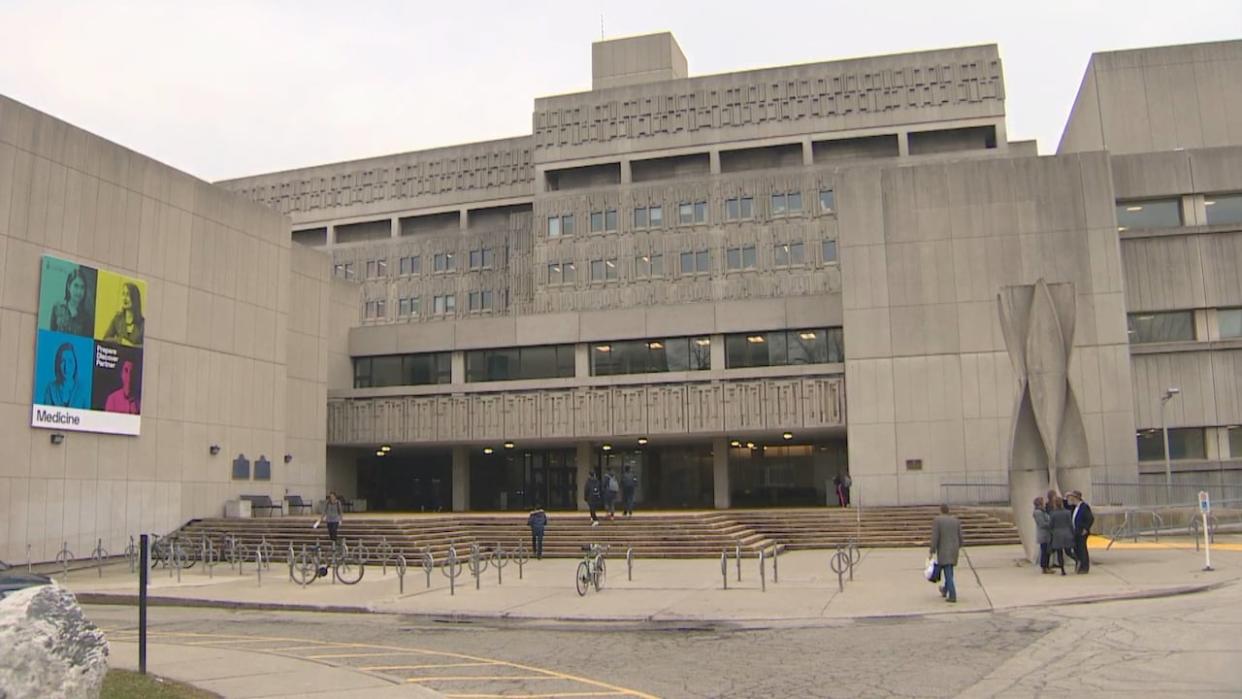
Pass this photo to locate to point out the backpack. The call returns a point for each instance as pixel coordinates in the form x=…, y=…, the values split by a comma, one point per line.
x=629, y=481
x=612, y=484
x=591, y=490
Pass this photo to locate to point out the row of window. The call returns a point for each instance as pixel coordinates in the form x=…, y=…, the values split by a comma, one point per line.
x=1184, y=443
x=651, y=355
x=1179, y=326
x=692, y=262
x=691, y=213
x=1146, y=214
x=441, y=304
x=482, y=258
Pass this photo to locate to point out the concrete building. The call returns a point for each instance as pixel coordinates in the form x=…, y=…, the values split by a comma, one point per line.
x=739, y=286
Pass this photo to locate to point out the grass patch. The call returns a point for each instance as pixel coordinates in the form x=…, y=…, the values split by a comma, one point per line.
x=124, y=684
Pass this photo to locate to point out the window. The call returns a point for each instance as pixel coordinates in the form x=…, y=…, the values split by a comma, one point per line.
x=411, y=265
x=795, y=202
x=650, y=356
x=739, y=208
x=344, y=270
x=656, y=216
x=1235, y=442
x=604, y=221
x=648, y=217
x=603, y=270
x=829, y=251
x=480, y=301
x=1223, y=208
x=515, y=363
x=408, y=307
x=827, y=201
x=597, y=221
x=445, y=262
x=788, y=254
x=554, y=273
x=376, y=309
x=481, y=259
x=1230, y=322
x=1150, y=213
x=402, y=370
x=693, y=212
x=1184, y=443
x=640, y=217
x=697, y=262
x=784, y=347
x=377, y=268
x=445, y=304
x=741, y=258
x=560, y=225
x=570, y=271
x=1175, y=326
x=649, y=266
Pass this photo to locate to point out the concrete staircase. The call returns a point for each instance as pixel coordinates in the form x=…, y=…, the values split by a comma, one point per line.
x=651, y=534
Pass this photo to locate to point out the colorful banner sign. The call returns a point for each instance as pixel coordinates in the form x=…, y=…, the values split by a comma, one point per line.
x=88, y=354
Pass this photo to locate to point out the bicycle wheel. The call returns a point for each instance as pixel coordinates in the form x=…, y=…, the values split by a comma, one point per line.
x=304, y=569
x=184, y=558
x=583, y=578
x=600, y=569
x=349, y=570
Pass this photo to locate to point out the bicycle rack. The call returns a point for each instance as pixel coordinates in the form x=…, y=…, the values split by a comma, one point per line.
x=840, y=564
x=63, y=557
x=499, y=562
x=98, y=556
x=452, y=568
x=520, y=558
x=429, y=563
x=385, y=551
x=258, y=562
x=131, y=555
x=263, y=552
x=478, y=564
x=776, y=576
x=400, y=573
x=737, y=556
x=763, y=575
x=207, y=550
x=629, y=563
x=724, y=568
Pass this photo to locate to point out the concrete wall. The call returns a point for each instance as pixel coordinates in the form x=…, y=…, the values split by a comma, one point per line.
x=1158, y=99
x=226, y=362
x=924, y=252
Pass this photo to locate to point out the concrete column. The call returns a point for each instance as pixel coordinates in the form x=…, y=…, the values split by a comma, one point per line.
x=457, y=367
x=331, y=235
x=586, y=461
x=461, y=479
x=713, y=161
x=464, y=219
x=720, y=472
x=626, y=175
x=582, y=359
x=903, y=143
x=718, y=352
x=808, y=153
x=396, y=227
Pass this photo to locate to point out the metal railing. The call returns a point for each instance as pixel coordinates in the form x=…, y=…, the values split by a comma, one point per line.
x=1143, y=495
x=974, y=493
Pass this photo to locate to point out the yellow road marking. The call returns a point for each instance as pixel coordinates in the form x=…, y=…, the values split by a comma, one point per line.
x=1102, y=542
x=382, y=668
x=478, y=678
x=536, y=696
x=333, y=656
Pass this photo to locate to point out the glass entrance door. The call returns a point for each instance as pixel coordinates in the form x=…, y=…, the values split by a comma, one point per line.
x=551, y=479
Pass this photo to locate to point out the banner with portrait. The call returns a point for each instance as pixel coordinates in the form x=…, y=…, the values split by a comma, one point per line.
x=88, y=350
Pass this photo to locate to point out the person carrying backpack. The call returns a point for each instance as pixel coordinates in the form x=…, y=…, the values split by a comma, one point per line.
x=591, y=493
x=629, y=487
x=611, y=491
x=537, y=521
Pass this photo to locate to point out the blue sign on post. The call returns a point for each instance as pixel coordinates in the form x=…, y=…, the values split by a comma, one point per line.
x=1205, y=505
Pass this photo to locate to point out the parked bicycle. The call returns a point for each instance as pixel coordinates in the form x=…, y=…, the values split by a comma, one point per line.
x=310, y=565
x=169, y=551
x=592, y=569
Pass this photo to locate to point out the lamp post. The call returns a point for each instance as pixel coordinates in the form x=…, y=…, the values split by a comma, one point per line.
x=1164, y=427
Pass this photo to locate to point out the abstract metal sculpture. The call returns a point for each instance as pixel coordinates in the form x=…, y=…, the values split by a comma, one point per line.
x=1048, y=440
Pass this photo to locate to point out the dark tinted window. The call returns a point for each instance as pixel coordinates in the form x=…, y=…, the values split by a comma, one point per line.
x=1175, y=326
x=1184, y=443
x=402, y=370
x=650, y=356
x=1223, y=208
x=784, y=347
x=516, y=363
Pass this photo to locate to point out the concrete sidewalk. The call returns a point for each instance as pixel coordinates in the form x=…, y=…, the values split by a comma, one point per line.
x=886, y=582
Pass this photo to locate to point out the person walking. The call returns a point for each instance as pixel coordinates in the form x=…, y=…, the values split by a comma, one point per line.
x=836, y=484
x=846, y=483
x=332, y=510
x=946, y=543
x=1062, y=530
x=1083, y=519
x=537, y=521
x=629, y=488
x=612, y=491
x=1043, y=533
x=591, y=493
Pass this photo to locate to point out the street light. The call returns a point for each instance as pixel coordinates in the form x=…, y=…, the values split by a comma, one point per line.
x=1164, y=427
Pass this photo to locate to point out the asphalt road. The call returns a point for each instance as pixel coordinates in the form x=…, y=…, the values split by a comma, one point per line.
x=1187, y=646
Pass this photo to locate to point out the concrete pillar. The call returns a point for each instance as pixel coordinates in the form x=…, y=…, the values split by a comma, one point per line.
x=720, y=472
x=464, y=219
x=626, y=175
x=396, y=227
x=461, y=479
x=713, y=162
x=903, y=143
x=331, y=235
x=582, y=359
x=457, y=367
x=586, y=461
x=808, y=153
x=718, y=352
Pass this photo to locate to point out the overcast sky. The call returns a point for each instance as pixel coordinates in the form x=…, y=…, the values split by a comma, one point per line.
x=227, y=88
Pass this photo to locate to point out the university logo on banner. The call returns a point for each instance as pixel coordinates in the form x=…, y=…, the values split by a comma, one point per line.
x=88, y=353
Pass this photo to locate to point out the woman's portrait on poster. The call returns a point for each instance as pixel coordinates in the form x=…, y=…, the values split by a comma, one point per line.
x=76, y=313
x=127, y=326
x=64, y=391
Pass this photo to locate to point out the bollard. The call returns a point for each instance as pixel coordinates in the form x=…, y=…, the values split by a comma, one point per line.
x=499, y=562
x=776, y=576
x=98, y=555
x=737, y=556
x=400, y=573
x=763, y=576
x=629, y=564
x=478, y=564
x=63, y=557
x=520, y=558
x=451, y=569
x=429, y=562
x=724, y=568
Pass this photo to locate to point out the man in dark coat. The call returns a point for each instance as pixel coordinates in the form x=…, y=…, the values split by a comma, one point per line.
x=593, y=495
x=537, y=521
x=946, y=542
x=1083, y=521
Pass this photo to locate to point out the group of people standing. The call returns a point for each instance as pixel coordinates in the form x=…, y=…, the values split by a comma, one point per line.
x=604, y=493
x=1062, y=526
